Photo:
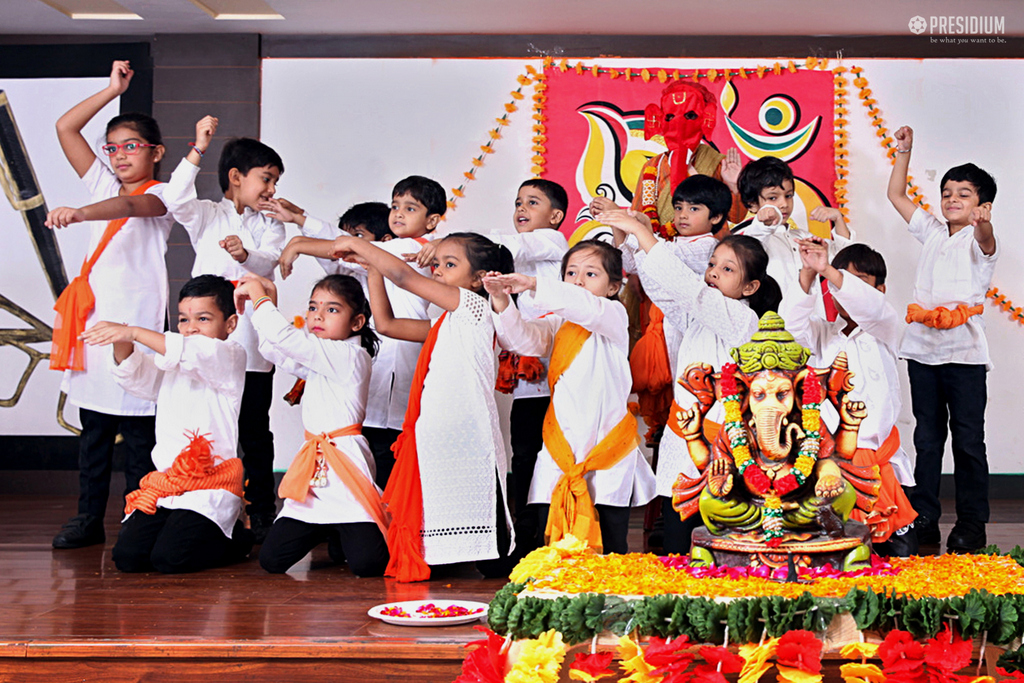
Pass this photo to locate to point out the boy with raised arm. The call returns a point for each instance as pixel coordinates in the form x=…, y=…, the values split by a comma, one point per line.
x=945, y=344
x=232, y=238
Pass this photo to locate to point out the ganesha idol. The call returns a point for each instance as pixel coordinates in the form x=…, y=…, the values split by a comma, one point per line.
x=774, y=485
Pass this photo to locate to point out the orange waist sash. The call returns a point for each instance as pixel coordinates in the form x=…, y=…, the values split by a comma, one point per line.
x=295, y=484
x=941, y=318
x=192, y=470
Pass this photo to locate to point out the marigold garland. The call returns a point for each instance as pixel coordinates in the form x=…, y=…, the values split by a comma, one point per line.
x=1000, y=300
x=530, y=77
x=753, y=475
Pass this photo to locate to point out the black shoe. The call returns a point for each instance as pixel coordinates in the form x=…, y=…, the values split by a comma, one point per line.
x=259, y=524
x=81, y=531
x=927, y=531
x=899, y=545
x=966, y=537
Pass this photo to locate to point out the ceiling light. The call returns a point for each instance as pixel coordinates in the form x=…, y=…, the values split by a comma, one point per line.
x=237, y=10
x=91, y=9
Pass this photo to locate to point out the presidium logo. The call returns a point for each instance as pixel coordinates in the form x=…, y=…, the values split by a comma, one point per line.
x=958, y=25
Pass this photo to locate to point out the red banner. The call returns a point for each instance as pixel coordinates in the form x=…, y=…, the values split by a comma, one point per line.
x=595, y=132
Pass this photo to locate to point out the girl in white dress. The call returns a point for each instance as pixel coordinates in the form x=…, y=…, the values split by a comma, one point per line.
x=446, y=494
x=714, y=314
x=126, y=275
x=590, y=471
x=328, y=491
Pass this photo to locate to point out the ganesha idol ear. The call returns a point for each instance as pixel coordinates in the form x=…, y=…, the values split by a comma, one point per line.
x=653, y=119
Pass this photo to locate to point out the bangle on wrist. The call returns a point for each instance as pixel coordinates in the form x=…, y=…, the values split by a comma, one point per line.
x=902, y=151
x=196, y=148
x=259, y=302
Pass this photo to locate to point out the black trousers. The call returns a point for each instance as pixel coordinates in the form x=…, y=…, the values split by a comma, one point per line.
x=678, y=532
x=96, y=456
x=526, y=426
x=614, y=523
x=257, y=442
x=946, y=399
x=360, y=543
x=380, y=441
x=177, y=542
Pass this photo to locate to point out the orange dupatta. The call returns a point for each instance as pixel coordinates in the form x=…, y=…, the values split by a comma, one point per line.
x=403, y=495
x=651, y=371
x=192, y=470
x=77, y=300
x=572, y=509
x=295, y=484
x=892, y=511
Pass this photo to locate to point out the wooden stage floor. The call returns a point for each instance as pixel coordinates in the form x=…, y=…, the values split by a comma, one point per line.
x=68, y=615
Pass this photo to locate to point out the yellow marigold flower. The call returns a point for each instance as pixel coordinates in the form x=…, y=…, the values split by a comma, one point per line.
x=540, y=660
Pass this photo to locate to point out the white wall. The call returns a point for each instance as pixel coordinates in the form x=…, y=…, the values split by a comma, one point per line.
x=349, y=129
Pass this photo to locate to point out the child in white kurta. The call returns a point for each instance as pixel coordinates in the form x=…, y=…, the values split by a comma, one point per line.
x=589, y=400
x=197, y=385
x=232, y=238
x=447, y=492
x=125, y=271
x=870, y=349
x=337, y=374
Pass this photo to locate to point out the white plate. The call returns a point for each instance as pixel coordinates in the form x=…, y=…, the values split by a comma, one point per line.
x=415, y=619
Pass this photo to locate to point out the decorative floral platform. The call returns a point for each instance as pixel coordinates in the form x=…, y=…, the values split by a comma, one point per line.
x=646, y=618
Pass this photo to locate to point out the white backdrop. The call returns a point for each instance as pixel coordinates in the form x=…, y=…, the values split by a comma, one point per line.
x=349, y=129
x=37, y=104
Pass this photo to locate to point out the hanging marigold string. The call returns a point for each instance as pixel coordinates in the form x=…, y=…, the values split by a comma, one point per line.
x=1000, y=300
x=531, y=77
x=839, y=124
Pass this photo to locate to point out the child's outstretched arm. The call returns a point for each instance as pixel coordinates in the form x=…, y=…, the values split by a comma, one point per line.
x=384, y=320
x=180, y=192
x=123, y=338
x=630, y=222
x=897, y=191
x=830, y=214
x=69, y=127
x=139, y=206
x=814, y=257
x=981, y=219
x=398, y=271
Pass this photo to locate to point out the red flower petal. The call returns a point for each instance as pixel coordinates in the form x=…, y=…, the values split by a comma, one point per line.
x=596, y=664
x=800, y=650
x=948, y=652
x=663, y=653
x=731, y=663
x=899, y=652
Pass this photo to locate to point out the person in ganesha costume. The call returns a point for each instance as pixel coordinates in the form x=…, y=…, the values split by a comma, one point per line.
x=773, y=473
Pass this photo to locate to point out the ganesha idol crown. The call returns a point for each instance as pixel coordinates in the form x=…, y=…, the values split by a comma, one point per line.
x=771, y=348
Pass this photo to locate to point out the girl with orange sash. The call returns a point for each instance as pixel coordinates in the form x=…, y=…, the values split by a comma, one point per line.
x=590, y=471
x=446, y=494
x=713, y=313
x=328, y=491
x=124, y=279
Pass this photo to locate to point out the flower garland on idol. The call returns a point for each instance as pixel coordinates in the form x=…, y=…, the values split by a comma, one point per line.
x=752, y=473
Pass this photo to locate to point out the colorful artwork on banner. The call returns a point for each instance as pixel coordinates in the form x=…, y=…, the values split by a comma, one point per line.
x=596, y=146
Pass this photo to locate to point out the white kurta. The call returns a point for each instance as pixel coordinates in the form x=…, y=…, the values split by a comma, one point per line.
x=784, y=264
x=458, y=439
x=537, y=254
x=694, y=252
x=197, y=385
x=590, y=398
x=871, y=354
x=710, y=324
x=207, y=223
x=952, y=270
x=395, y=362
x=129, y=282
x=337, y=374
